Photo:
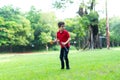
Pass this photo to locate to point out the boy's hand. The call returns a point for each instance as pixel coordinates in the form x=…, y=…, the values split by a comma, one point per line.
x=54, y=41
x=63, y=43
x=58, y=41
x=51, y=42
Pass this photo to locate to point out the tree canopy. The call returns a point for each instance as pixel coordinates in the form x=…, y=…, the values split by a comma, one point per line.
x=33, y=30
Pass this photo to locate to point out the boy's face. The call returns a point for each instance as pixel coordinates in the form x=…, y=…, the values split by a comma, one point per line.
x=61, y=28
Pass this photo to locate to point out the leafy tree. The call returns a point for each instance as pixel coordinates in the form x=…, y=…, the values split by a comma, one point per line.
x=19, y=33
x=62, y=3
x=34, y=17
x=24, y=32
x=48, y=27
x=41, y=23
x=76, y=29
x=3, y=32
x=89, y=18
x=45, y=38
x=17, y=30
x=9, y=13
x=2, y=22
x=102, y=27
x=115, y=31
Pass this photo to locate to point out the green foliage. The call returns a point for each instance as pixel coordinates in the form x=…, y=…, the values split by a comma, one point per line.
x=36, y=28
x=45, y=37
x=85, y=21
x=75, y=26
x=72, y=35
x=115, y=29
x=59, y=4
x=2, y=21
x=72, y=47
x=43, y=26
x=3, y=34
x=11, y=29
x=9, y=13
x=16, y=29
x=20, y=32
x=93, y=18
x=55, y=48
x=102, y=27
x=25, y=30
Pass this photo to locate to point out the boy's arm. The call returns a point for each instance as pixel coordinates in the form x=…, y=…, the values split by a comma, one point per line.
x=68, y=35
x=64, y=43
x=56, y=40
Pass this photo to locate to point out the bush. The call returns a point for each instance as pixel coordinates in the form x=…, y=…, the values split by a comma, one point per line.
x=72, y=47
x=56, y=48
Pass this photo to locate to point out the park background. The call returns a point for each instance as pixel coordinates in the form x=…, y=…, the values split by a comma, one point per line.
x=31, y=25
x=27, y=28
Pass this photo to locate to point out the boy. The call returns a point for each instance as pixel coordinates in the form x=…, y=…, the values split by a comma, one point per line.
x=63, y=37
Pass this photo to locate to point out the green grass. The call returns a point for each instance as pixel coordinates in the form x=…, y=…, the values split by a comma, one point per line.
x=85, y=65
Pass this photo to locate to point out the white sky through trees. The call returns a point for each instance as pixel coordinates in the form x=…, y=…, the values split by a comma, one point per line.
x=46, y=6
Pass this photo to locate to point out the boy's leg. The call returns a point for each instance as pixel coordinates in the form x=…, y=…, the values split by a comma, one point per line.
x=66, y=58
x=61, y=58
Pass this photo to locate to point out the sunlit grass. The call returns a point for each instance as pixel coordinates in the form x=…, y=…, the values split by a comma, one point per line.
x=85, y=65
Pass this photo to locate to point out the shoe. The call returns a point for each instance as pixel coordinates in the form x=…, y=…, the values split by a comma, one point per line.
x=67, y=68
x=62, y=68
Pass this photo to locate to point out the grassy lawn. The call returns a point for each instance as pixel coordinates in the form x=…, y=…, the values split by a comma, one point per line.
x=85, y=65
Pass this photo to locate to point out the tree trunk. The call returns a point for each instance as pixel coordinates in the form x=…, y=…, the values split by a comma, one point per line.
x=97, y=41
x=117, y=44
x=46, y=47
x=11, y=48
x=79, y=43
x=91, y=36
x=113, y=44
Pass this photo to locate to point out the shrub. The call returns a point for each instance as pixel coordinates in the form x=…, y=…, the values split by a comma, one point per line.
x=72, y=47
x=55, y=48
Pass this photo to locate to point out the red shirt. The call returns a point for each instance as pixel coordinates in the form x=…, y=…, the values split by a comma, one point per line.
x=63, y=37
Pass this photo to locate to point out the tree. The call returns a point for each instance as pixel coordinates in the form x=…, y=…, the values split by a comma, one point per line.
x=24, y=32
x=19, y=34
x=3, y=32
x=42, y=24
x=115, y=31
x=45, y=38
x=9, y=13
x=91, y=18
x=77, y=30
x=62, y=3
x=48, y=27
x=17, y=30
x=102, y=28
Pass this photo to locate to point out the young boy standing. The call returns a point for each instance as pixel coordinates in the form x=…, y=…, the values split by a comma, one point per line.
x=63, y=37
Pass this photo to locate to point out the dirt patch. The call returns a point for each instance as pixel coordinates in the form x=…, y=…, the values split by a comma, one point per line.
x=4, y=60
x=116, y=49
x=6, y=55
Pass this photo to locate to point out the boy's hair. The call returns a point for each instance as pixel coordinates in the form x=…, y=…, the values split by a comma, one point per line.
x=60, y=23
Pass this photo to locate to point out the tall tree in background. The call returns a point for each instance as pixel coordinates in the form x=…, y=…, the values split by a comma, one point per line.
x=77, y=31
x=107, y=27
x=9, y=13
x=3, y=32
x=34, y=17
x=88, y=13
x=115, y=31
x=43, y=25
x=49, y=28
x=17, y=29
x=32, y=29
